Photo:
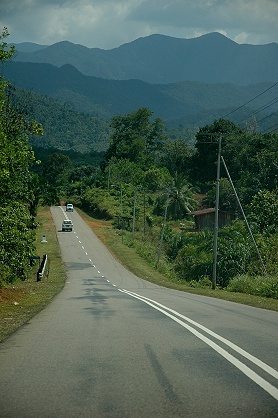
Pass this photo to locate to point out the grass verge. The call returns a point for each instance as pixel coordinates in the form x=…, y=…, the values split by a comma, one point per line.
x=128, y=257
x=23, y=299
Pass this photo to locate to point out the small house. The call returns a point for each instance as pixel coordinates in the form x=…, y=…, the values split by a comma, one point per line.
x=205, y=218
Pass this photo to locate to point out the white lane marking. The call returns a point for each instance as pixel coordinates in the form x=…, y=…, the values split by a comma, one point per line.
x=236, y=348
x=241, y=366
x=98, y=272
x=94, y=266
x=114, y=285
x=108, y=281
x=83, y=248
x=90, y=260
x=86, y=253
x=79, y=242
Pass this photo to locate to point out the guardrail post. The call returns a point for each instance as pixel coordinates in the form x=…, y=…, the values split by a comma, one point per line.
x=42, y=268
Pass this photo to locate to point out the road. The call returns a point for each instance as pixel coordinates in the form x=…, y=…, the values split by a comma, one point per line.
x=113, y=345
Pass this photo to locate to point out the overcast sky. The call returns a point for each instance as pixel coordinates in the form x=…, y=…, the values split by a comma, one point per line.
x=110, y=23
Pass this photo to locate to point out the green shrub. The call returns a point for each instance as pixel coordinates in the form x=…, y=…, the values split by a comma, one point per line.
x=205, y=282
x=264, y=286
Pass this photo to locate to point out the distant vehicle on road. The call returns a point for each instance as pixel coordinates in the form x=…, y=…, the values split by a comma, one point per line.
x=67, y=225
x=69, y=207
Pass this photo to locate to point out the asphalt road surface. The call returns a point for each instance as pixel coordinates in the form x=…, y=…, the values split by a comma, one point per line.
x=113, y=345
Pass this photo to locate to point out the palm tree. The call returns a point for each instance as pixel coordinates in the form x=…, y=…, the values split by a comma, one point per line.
x=178, y=197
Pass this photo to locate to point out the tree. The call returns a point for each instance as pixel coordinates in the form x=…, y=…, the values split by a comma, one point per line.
x=54, y=167
x=136, y=138
x=6, y=52
x=205, y=159
x=177, y=157
x=227, y=198
x=263, y=211
x=16, y=181
x=178, y=197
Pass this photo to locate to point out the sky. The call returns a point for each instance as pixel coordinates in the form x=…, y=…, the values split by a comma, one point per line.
x=107, y=24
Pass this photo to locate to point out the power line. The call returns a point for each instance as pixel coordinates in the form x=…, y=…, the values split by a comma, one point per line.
x=272, y=102
x=268, y=116
x=249, y=101
x=271, y=127
x=266, y=106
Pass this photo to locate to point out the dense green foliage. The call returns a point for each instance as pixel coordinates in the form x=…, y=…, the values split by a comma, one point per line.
x=145, y=187
x=64, y=127
x=17, y=198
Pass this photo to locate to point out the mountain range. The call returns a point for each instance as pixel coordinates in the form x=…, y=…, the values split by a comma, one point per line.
x=192, y=104
x=160, y=59
x=187, y=83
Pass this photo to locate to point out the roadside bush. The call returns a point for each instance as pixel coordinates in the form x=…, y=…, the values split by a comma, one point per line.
x=16, y=242
x=235, y=252
x=266, y=219
x=269, y=251
x=193, y=264
x=264, y=286
x=99, y=203
x=203, y=283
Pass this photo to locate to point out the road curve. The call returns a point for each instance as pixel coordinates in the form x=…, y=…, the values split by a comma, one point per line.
x=113, y=345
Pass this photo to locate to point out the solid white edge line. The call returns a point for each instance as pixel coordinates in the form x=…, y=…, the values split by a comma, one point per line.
x=241, y=366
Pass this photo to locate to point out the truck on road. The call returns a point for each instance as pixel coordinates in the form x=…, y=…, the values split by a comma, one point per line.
x=67, y=225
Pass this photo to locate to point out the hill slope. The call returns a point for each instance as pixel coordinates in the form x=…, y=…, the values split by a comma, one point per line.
x=211, y=58
x=185, y=102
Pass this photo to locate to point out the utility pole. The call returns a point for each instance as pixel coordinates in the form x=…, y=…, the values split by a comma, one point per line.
x=216, y=221
x=163, y=229
x=121, y=205
x=134, y=214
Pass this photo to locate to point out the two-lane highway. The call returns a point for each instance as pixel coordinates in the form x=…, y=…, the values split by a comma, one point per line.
x=114, y=345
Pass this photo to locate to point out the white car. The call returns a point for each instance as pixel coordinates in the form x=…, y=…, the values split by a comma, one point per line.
x=67, y=225
x=69, y=207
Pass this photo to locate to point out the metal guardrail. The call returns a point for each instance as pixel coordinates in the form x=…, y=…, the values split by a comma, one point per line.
x=42, y=269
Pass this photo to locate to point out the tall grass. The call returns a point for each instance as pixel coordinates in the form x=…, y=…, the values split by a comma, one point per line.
x=264, y=286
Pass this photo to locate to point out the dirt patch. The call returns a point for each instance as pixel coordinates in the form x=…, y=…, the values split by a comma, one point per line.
x=96, y=224
x=10, y=295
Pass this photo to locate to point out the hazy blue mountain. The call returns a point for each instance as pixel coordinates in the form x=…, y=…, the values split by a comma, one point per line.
x=29, y=47
x=188, y=103
x=160, y=59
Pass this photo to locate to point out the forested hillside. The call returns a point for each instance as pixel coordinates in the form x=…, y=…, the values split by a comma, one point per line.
x=187, y=103
x=64, y=127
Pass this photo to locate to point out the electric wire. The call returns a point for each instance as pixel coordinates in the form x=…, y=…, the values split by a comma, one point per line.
x=249, y=101
x=271, y=127
x=268, y=116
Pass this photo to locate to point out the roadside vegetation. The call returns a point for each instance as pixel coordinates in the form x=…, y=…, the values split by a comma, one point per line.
x=145, y=187
x=22, y=299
